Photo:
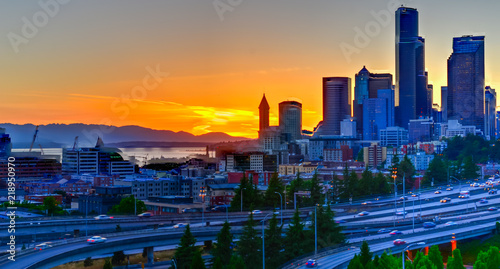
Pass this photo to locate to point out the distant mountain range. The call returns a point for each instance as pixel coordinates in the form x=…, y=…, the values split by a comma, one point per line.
x=63, y=135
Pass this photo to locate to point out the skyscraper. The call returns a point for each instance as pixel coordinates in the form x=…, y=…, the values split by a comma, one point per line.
x=263, y=115
x=466, y=81
x=388, y=95
x=291, y=119
x=375, y=117
x=411, y=78
x=367, y=86
x=336, y=103
x=490, y=106
x=444, y=103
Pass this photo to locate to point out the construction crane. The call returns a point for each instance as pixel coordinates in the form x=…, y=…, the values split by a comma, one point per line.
x=41, y=149
x=75, y=145
x=34, y=137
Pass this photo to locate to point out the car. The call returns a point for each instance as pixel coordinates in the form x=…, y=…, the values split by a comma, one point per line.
x=492, y=208
x=145, y=215
x=256, y=212
x=401, y=213
x=311, y=263
x=437, y=192
x=429, y=224
x=181, y=225
x=395, y=232
x=352, y=248
x=445, y=200
x=483, y=201
x=366, y=203
x=378, y=198
x=493, y=191
x=43, y=246
x=463, y=196
x=403, y=198
x=449, y=188
x=383, y=231
x=450, y=223
x=340, y=221
x=482, y=186
x=398, y=242
x=475, y=185
x=307, y=223
x=103, y=217
x=415, y=195
x=96, y=239
x=276, y=212
x=364, y=213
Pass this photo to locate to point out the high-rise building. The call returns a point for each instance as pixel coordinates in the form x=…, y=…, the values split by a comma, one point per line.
x=367, y=86
x=291, y=119
x=388, y=95
x=430, y=92
x=374, y=117
x=490, y=106
x=263, y=114
x=466, y=81
x=420, y=130
x=348, y=127
x=393, y=136
x=5, y=144
x=411, y=78
x=336, y=103
x=444, y=103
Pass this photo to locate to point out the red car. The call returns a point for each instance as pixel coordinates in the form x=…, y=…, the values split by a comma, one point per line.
x=398, y=242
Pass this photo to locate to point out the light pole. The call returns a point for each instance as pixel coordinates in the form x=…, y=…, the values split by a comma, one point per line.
x=281, y=208
x=407, y=247
x=202, y=194
x=135, y=202
x=241, y=196
x=31, y=223
x=263, y=243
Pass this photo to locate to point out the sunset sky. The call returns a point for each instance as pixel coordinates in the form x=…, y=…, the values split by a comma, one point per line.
x=85, y=62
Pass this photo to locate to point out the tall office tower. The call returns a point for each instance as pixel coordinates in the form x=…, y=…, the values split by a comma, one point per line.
x=411, y=78
x=388, y=95
x=263, y=115
x=375, y=117
x=466, y=81
x=430, y=92
x=367, y=86
x=336, y=103
x=444, y=103
x=490, y=106
x=498, y=125
x=291, y=119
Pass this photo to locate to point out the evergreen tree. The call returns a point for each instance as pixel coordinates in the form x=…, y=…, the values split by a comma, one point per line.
x=329, y=232
x=273, y=243
x=365, y=256
x=250, y=245
x=381, y=184
x=366, y=186
x=198, y=262
x=435, y=257
x=295, y=185
x=223, y=247
x=218, y=264
x=352, y=185
x=470, y=169
x=118, y=258
x=316, y=190
x=295, y=240
x=455, y=262
x=389, y=262
x=236, y=263
x=355, y=263
x=337, y=187
x=107, y=264
x=126, y=206
x=185, y=252
x=245, y=188
x=488, y=259
x=406, y=170
x=376, y=261
x=271, y=197
x=437, y=170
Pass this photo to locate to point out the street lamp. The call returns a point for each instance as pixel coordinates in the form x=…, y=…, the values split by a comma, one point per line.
x=31, y=223
x=135, y=202
x=241, y=196
x=202, y=194
x=406, y=248
x=281, y=208
x=263, y=243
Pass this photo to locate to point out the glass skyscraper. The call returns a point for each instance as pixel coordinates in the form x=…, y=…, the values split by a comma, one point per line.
x=466, y=81
x=411, y=78
x=291, y=119
x=336, y=103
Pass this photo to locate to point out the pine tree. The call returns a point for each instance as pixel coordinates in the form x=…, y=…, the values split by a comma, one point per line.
x=316, y=190
x=470, y=170
x=218, y=264
x=223, y=247
x=271, y=197
x=365, y=256
x=435, y=257
x=186, y=250
x=381, y=185
x=118, y=258
x=198, y=262
x=355, y=263
x=295, y=239
x=242, y=188
x=273, y=243
x=455, y=262
x=488, y=259
x=250, y=245
x=329, y=232
x=376, y=261
x=296, y=185
x=366, y=186
x=236, y=263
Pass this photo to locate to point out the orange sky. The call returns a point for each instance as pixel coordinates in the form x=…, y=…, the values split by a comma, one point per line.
x=85, y=63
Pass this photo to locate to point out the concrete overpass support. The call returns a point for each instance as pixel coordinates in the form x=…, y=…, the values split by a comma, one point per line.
x=151, y=257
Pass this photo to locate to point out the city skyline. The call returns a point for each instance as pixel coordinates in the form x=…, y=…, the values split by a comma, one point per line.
x=218, y=66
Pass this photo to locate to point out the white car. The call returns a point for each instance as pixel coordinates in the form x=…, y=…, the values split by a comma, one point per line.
x=96, y=239
x=103, y=217
x=256, y=212
x=181, y=225
x=42, y=246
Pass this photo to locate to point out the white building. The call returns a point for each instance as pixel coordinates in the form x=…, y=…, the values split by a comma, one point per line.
x=393, y=136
